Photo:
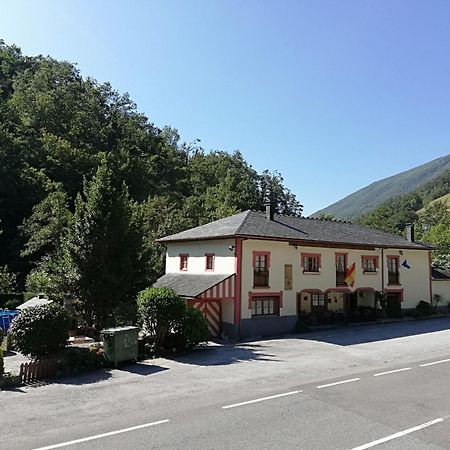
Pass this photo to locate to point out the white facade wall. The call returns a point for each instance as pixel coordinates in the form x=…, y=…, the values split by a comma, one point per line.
x=224, y=259
x=415, y=281
x=442, y=288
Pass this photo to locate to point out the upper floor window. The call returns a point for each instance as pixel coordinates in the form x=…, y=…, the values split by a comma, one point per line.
x=209, y=261
x=261, y=264
x=310, y=262
x=369, y=263
x=184, y=261
x=393, y=266
x=341, y=266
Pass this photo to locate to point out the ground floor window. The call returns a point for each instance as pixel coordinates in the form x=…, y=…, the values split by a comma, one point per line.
x=265, y=306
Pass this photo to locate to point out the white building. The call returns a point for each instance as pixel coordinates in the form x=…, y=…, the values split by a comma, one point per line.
x=255, y=274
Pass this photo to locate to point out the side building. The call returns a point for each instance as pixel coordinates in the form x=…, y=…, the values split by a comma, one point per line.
x=255, y=274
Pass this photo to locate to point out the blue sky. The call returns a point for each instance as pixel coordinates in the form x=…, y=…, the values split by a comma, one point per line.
x=332, y=94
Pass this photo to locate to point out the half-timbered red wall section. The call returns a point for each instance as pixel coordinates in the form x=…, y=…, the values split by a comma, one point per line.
x=222, y=291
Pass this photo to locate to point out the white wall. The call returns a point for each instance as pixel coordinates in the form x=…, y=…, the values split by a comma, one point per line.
x=442, y=288
x=414, y=281
x=224, y=261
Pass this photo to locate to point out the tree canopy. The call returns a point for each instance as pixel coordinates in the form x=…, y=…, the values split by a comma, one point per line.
x=88, y=183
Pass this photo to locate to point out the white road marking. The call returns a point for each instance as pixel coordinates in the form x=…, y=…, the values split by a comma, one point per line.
x=262, y=399
x=391, y=371
x=399, y=434
x=337, y=382
x=99, y=436
x=435, y=362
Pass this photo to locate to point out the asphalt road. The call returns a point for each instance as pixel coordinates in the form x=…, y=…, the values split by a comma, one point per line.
x=380, y=386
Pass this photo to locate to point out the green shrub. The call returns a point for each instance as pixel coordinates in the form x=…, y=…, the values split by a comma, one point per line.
x=424, y=309
x=163, y=315
x=78, y=359
x=193, y=329
x=41, y=330
x=160, y=312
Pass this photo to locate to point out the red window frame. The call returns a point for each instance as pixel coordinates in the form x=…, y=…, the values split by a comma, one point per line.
x=375, y=260
x=209, y=262
x=393, y=277
x=261, y=271
x=340, y=272
x=184, y=258
x=318, y=264
x=260, y=295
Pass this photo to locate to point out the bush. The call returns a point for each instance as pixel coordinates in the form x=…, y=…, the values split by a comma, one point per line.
x=193, y=329
x=78, y=359
x=160, y=312
x=41, y=330
x=424, y=309
x=164, y=316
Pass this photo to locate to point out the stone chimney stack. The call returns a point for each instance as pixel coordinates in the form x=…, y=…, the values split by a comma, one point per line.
x=410, y=232
x=269, y=210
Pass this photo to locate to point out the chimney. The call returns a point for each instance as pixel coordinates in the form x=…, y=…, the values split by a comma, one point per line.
x=410, y=232
x=269, y=210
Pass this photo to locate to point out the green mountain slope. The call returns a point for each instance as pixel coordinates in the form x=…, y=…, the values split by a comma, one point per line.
x=368, y=198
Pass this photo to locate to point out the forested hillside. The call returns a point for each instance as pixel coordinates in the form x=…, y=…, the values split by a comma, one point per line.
x=367, y=199
x=87, y=183
x=427, y=208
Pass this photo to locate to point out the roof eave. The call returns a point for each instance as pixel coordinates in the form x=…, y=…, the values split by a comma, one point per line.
x=204, y=238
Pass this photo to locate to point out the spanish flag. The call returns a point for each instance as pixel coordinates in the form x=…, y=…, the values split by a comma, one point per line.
x=350, y=275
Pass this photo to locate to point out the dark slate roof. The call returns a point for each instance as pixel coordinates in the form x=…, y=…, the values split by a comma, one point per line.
x=190, y=285
x=440, y=273
x=298, y=229
x=227, y=227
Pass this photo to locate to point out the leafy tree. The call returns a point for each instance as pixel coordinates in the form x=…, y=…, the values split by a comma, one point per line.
x=60, y=213
x=7, y=280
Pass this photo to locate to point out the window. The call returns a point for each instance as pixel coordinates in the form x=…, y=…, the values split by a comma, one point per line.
x=369, y=263
x=265, y=306
x=261, y=262
x=318, y=302
x=209, y=262
x=341, y=266
x=310, y=262
x=288, y=277
x=393, y=274
x=184, y=261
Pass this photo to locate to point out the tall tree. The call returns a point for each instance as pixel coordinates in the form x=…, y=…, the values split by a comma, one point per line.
x=103, y=247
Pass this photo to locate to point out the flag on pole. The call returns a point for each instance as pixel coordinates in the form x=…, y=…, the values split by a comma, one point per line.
x=350, y=275
x=406, y=265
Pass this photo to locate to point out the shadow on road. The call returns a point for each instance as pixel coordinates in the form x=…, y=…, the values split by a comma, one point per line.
x=380, y=332
x=86, y=378
x=142, y=369
x=223, y=356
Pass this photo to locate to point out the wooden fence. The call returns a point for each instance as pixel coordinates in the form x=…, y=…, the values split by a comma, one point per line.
x=39, y=370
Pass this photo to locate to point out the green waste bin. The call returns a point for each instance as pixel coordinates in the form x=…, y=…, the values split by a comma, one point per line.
x=120, y=344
